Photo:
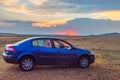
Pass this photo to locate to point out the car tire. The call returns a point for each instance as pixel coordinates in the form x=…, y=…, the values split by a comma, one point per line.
x=26, y=63
x=84, y=61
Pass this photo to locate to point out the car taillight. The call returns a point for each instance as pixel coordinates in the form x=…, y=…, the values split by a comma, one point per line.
x=9, y=49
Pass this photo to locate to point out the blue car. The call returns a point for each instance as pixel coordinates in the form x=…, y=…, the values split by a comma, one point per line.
x=46, y=51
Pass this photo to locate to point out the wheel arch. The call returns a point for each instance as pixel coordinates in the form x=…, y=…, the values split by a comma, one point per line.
x=27, y=55
x=84, y=55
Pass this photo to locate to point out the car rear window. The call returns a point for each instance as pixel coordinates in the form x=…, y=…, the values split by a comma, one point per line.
x=41, y=43
x=38, y=43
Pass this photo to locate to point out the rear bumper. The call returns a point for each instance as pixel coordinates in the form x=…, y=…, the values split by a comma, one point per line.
x=9, y=58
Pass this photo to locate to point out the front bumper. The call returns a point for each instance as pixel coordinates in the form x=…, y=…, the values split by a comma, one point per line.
x=9, y=58
x=92, y=58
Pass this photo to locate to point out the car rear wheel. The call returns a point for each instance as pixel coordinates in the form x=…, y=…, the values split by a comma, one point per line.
x=26, y=63
x=84, y=62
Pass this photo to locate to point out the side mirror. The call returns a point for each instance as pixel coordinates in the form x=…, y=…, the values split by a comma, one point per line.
x=61, y=46
x=73, y=48
x=65, y=47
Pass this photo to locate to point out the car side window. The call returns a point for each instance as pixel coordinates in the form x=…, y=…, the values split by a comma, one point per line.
x=56, y=44
x=41, y=43
x=61, y=44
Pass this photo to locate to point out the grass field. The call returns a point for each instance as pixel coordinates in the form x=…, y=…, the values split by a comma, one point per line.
x=106, y=66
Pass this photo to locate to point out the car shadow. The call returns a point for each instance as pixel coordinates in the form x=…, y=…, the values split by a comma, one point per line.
x=55, y=67
x=44, y=67
x=15, y=68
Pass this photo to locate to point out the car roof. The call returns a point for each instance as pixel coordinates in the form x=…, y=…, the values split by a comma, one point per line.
x=35, y=38
x=32, y=38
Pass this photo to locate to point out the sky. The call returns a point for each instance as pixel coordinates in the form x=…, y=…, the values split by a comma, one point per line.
x=66, y=17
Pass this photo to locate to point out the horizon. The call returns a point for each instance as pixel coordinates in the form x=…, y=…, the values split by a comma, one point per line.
x=60, y=17
x=103, y=34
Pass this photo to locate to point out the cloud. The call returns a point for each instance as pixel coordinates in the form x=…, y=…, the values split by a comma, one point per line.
x=91, y=26
x=9, y=2
x=48, y=11
x=53, y=8
x=37, y=2
x=48, y=24
x=113, y=15
x=84, y=26
x=18, y=9
x=55, y=5
x=98, y=5
x=47, y=7
x=92, y=2
x=7, y=24
x=15, y=6
x=78, y=26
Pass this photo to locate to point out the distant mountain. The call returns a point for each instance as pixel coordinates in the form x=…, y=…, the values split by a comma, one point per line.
x=108, y=35
x=27, y=35
x=11, y=35
x=17, y=35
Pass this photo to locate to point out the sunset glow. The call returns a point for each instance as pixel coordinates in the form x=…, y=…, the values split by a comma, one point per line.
x=69, y=33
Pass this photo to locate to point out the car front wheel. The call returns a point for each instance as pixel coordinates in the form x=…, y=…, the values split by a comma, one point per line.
x=84, y=62
x=26, y=63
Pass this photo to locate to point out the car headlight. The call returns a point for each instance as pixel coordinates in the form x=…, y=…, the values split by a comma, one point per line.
x=92, y=53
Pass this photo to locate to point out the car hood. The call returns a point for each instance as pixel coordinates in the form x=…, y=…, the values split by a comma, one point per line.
x=83, y=50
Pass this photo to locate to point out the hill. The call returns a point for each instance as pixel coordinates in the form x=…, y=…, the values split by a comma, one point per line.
x=29, y=35
x=108, y=35
x=11, y=35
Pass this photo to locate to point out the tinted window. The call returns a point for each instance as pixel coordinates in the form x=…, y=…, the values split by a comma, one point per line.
x=61, y=44
x=41, y=43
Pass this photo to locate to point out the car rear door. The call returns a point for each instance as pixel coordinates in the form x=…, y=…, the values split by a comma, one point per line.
x=44, y=51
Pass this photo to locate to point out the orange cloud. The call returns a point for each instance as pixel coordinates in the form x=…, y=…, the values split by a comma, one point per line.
x=113, y=15
x=37, y=2
x=9, y=2
x=19, y=9
x=6, y=24
x=49, y=24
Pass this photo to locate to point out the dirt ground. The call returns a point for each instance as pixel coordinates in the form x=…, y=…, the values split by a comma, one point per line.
x=106, y=66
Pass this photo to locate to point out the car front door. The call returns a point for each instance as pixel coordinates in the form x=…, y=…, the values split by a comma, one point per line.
x=65, y=55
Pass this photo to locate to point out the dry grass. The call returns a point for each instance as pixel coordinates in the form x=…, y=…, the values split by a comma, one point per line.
x=106, y=66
